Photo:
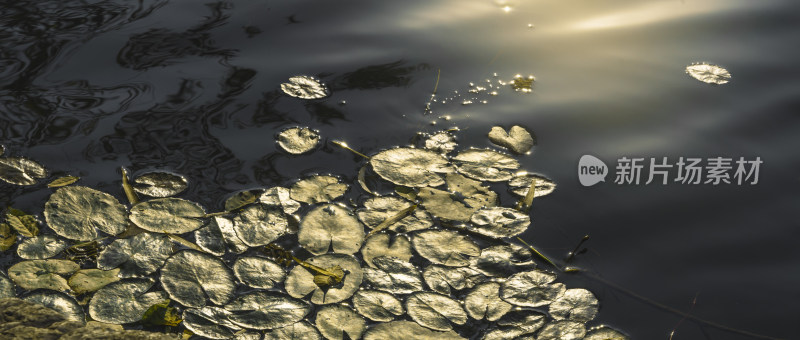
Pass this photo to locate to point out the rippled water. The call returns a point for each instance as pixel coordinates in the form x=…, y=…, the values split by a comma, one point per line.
x=88, y=86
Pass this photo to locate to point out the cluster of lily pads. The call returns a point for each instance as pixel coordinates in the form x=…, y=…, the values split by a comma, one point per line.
x=424, y=252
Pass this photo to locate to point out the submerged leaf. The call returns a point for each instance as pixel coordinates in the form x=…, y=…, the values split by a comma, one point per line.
x=191, y=277
x=46, y=274
x=40, y=247
x=25, y=224
x=90, y=280
x=298, y=140
x=124, y=301
x=709, y=73
x=21, y=171
x=258, y=272
x=445, y=247
x=406, y=330
x=440, y=278
x=305, y=87
x=280, y=197
x=161, y=314
x=333, y=321
x=300, y=282
x=532, y=288
x=266, y=310
x=7, y=237
x=411, y=167
x=517, y=139
x=562, y=330
x=435, y=311
x=210, y=322
x=465, y=196
x=75, y=211
x=242, y=198
x=485, y=165
x=394, y=275
x=575, y=304
x=160, y=184
x=60, y=302
x=377, y=210
x=520, y=184
x=441, y=142
x=330, y=226
x=499, y=222
x=219, y=235
x=317, y=189
x=384, y=245
x=6, y=287
x=300, y=330
x=377, y=306
x=168, y=215
x=483, y=302
x=605, y=333
x=62, y=181
x=139, y=255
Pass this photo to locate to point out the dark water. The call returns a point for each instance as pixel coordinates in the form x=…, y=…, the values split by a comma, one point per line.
x=88, y=86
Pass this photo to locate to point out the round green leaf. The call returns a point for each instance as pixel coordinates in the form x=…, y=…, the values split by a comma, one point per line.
x=191, y=277
x=575, y=304
x=59, y=302
x=317, y=189
x=333, y=321
x=406, y=330
x=298, y=140
x=463, y=197
x=259, y=225
x=45, y=274
x=485, y=165
x=168, y=215
x=331, y=226
x=74, y=212
x=441, y=278
x=299, y=330
x=160, y=184
x=210, y=322
x=520, y=184
x=40, y=247
x=90, y=280
x=124, y=301
x=394, y=275
x=442, y=142
x=499, y=222
x=411, y=167
x=280, y=197
x=379, y=209
x=532, y=288
x=219, y=236
x=435, y=311
x=258, y=272
x=562, y=330
x=305, y=87
x=139, y=255
x=384, y=244
x=377, y=306
x=483, y=302
x=21, y=171
x=445, y=247
x=266, y=310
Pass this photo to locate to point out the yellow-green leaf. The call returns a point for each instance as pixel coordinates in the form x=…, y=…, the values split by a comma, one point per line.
x=25, y=225
x=161, y=314
x=7, y=237
x=63, y=181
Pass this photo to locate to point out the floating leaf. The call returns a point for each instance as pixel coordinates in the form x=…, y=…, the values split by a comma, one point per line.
x=242, y=198
x=218, y=236
x=7, y=237
x=90, y=280
x=377, y=306
x=483, y=302
x=139, y=255
x=385, y=245
x=531, y=289
x=210, y=322
x=46, y=274
x=75, y=212
x=6, y=287
x=502, y=260
x=575, y=304
x=499, y=222
x=562, y=330
x=435, y=311
x=485, y=165
x=299, y=330
x=708, y=73
x=406, y=330
x=168, y=215
x=63, y=181
x=124, y=301
x=394, y=275
x=298, y=140
x=280, y=197
x=259, y=225
x=515, y=324
x=605, y=333
x=300, y=282
x=441, y=142
x=266, y=310
x=40, y=247
x=463, y=198
x=440, y=278
x=160, y=184
x=331, y=226
x=333, y=321
x=25, y=224
x=21, y=171
x=362, y=180
x=258, y=272
x=520, y=184
x=317, y=189
x=411, y=167
x=445, y=247
x=517, y=139
x=59, y=302
x=161, y=314
x=190, y=277
x=379, y=209
x=305, y=87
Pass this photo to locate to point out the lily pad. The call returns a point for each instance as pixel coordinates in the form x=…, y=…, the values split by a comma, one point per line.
x=305, y=87
x=298, y=140
x=445, y=247
x=385, y=245
x=575, y=304
x=45, y=274
x=483, y=302
x=517, y=139
x=516, y=323
x=7, y=237
x=376, y=210
x=40, y=247
x=210, y=322
x=219, y=236
x=405, y=330
x=124, y=301
x=331, y=226
x=605, y=333
x=533, y=288
x=6, y=287
x=441, y=142
x=90, y=280
x=502, y=260
x=394, y=275
x=59, y=302
x=499, y=222
x=139, y=255
x=74, y=212
x=377, y=306
x=299, y=330
x=333, y=321
x=191, y=277
x=485, y=165
x=168, y=215
x=317, y=189
x=280, y=197
x=259, y=225
x=258, y=272
x=242, y=198
x=23, y=223
x=520, y=184
x=266, y=310
x=411, y=167
x=709, y=73
x=440, y=278
x=21, y=171
x=562, y=330
x=463, y=198
x=435, y=311
x=160, y=184
x=300, y=281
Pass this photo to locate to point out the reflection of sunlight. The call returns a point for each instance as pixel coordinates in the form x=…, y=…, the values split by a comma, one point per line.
x=507, y=9
x=647, y=13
